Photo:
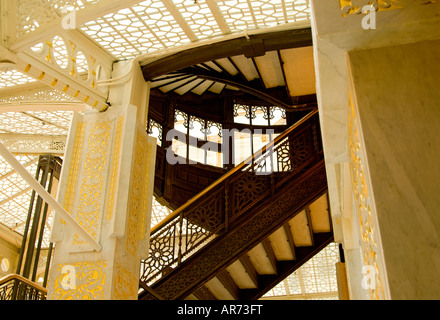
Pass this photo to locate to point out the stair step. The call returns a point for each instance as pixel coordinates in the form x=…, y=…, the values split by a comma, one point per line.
x=280, y=244
x=241, y=276
x=319, y=214
x=260, y=260
x=300, y=230
x=218, y=289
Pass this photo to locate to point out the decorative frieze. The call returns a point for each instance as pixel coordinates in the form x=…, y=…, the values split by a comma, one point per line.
x=355, y=6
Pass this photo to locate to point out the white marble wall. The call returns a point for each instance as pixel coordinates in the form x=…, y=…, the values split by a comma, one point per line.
x=398, y=96
x=338, y=41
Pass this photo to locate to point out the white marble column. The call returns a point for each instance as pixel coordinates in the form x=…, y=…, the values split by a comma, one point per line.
x=378, y=101
x=106, y=185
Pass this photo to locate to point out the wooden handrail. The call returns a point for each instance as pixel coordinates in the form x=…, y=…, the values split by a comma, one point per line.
x=232, y=171
x=14, y=276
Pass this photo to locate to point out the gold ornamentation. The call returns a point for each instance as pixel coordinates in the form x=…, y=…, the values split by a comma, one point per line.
x=355, y=6
x=370, y=239
x=125, y=284
x=88, y=284
x=137, y=206
x=92, y=184
x=74, y=168
x=114, y=168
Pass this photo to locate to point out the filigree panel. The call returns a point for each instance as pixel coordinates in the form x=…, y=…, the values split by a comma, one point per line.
x=88, y=213
x=263, y=13
x=247, y=189
x=145, y=27
x=137, y=204
x=295, y=151
x=88, y=284
x=114, y=170
x=225, y=247
x=10, y=78
x=125, y=284
x=72, y=178
x=36, y=95
x=203, y=219
x=364, y=204
x=31, y=145
x=31, y=14
x=163, y=251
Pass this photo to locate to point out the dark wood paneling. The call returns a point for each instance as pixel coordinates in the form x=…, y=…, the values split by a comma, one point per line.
x=254, y=45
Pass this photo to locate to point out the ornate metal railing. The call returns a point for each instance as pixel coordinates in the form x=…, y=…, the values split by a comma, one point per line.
x=15, y=287
x=227, y=201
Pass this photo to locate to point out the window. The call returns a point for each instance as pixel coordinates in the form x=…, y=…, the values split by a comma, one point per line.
x=200, y=140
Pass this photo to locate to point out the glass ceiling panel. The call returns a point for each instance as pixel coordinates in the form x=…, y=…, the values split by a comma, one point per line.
x=199, y=17
x=147, y=26
x=10, y=78
x=316, y=279
x=15, y=193
x=244, y=14
x=36, y=122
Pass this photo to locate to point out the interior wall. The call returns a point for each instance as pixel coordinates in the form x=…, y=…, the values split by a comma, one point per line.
x=397, y=95
x=10, y=243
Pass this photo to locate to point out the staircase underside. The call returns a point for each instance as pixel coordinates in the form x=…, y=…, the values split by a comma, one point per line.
x=282, y=233
x=260, y=269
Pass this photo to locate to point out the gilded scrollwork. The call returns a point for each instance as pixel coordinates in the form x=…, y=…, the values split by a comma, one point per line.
x=355, y=6
x=87, y=280
x=137, y=207
x=369, y=232
x=74, y=168
x=125, y=284
x=114, y=168
x=93, y=178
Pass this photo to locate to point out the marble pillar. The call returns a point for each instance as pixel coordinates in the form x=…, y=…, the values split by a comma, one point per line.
x=106, y=185
x=378, y=102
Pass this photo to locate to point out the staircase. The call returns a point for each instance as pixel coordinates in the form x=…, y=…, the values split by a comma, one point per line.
x=248, y=230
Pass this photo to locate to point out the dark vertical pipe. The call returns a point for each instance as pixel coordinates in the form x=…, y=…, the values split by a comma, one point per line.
x=43, y=220
x=48, y=260
x=34, y=228
x=26, y=228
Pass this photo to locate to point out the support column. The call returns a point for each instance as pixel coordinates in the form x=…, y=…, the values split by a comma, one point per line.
x=106, y=185
x=378, y=101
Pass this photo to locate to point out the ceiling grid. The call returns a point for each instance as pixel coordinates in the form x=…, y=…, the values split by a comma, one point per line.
x=118, y=31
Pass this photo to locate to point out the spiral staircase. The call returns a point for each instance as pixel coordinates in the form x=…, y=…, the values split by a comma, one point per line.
x=249, y=229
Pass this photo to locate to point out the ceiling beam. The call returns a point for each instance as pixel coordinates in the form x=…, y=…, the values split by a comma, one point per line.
x=248, y=89
x=250, y=46
x=274, y=96
x=50, y=29
x=171, y=7
x=218, y=16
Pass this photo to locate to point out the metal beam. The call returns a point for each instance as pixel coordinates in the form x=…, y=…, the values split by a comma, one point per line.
x=218, y=16
x=171, y=7
x=82, y=16
x=54, y=78
x=47, y=197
